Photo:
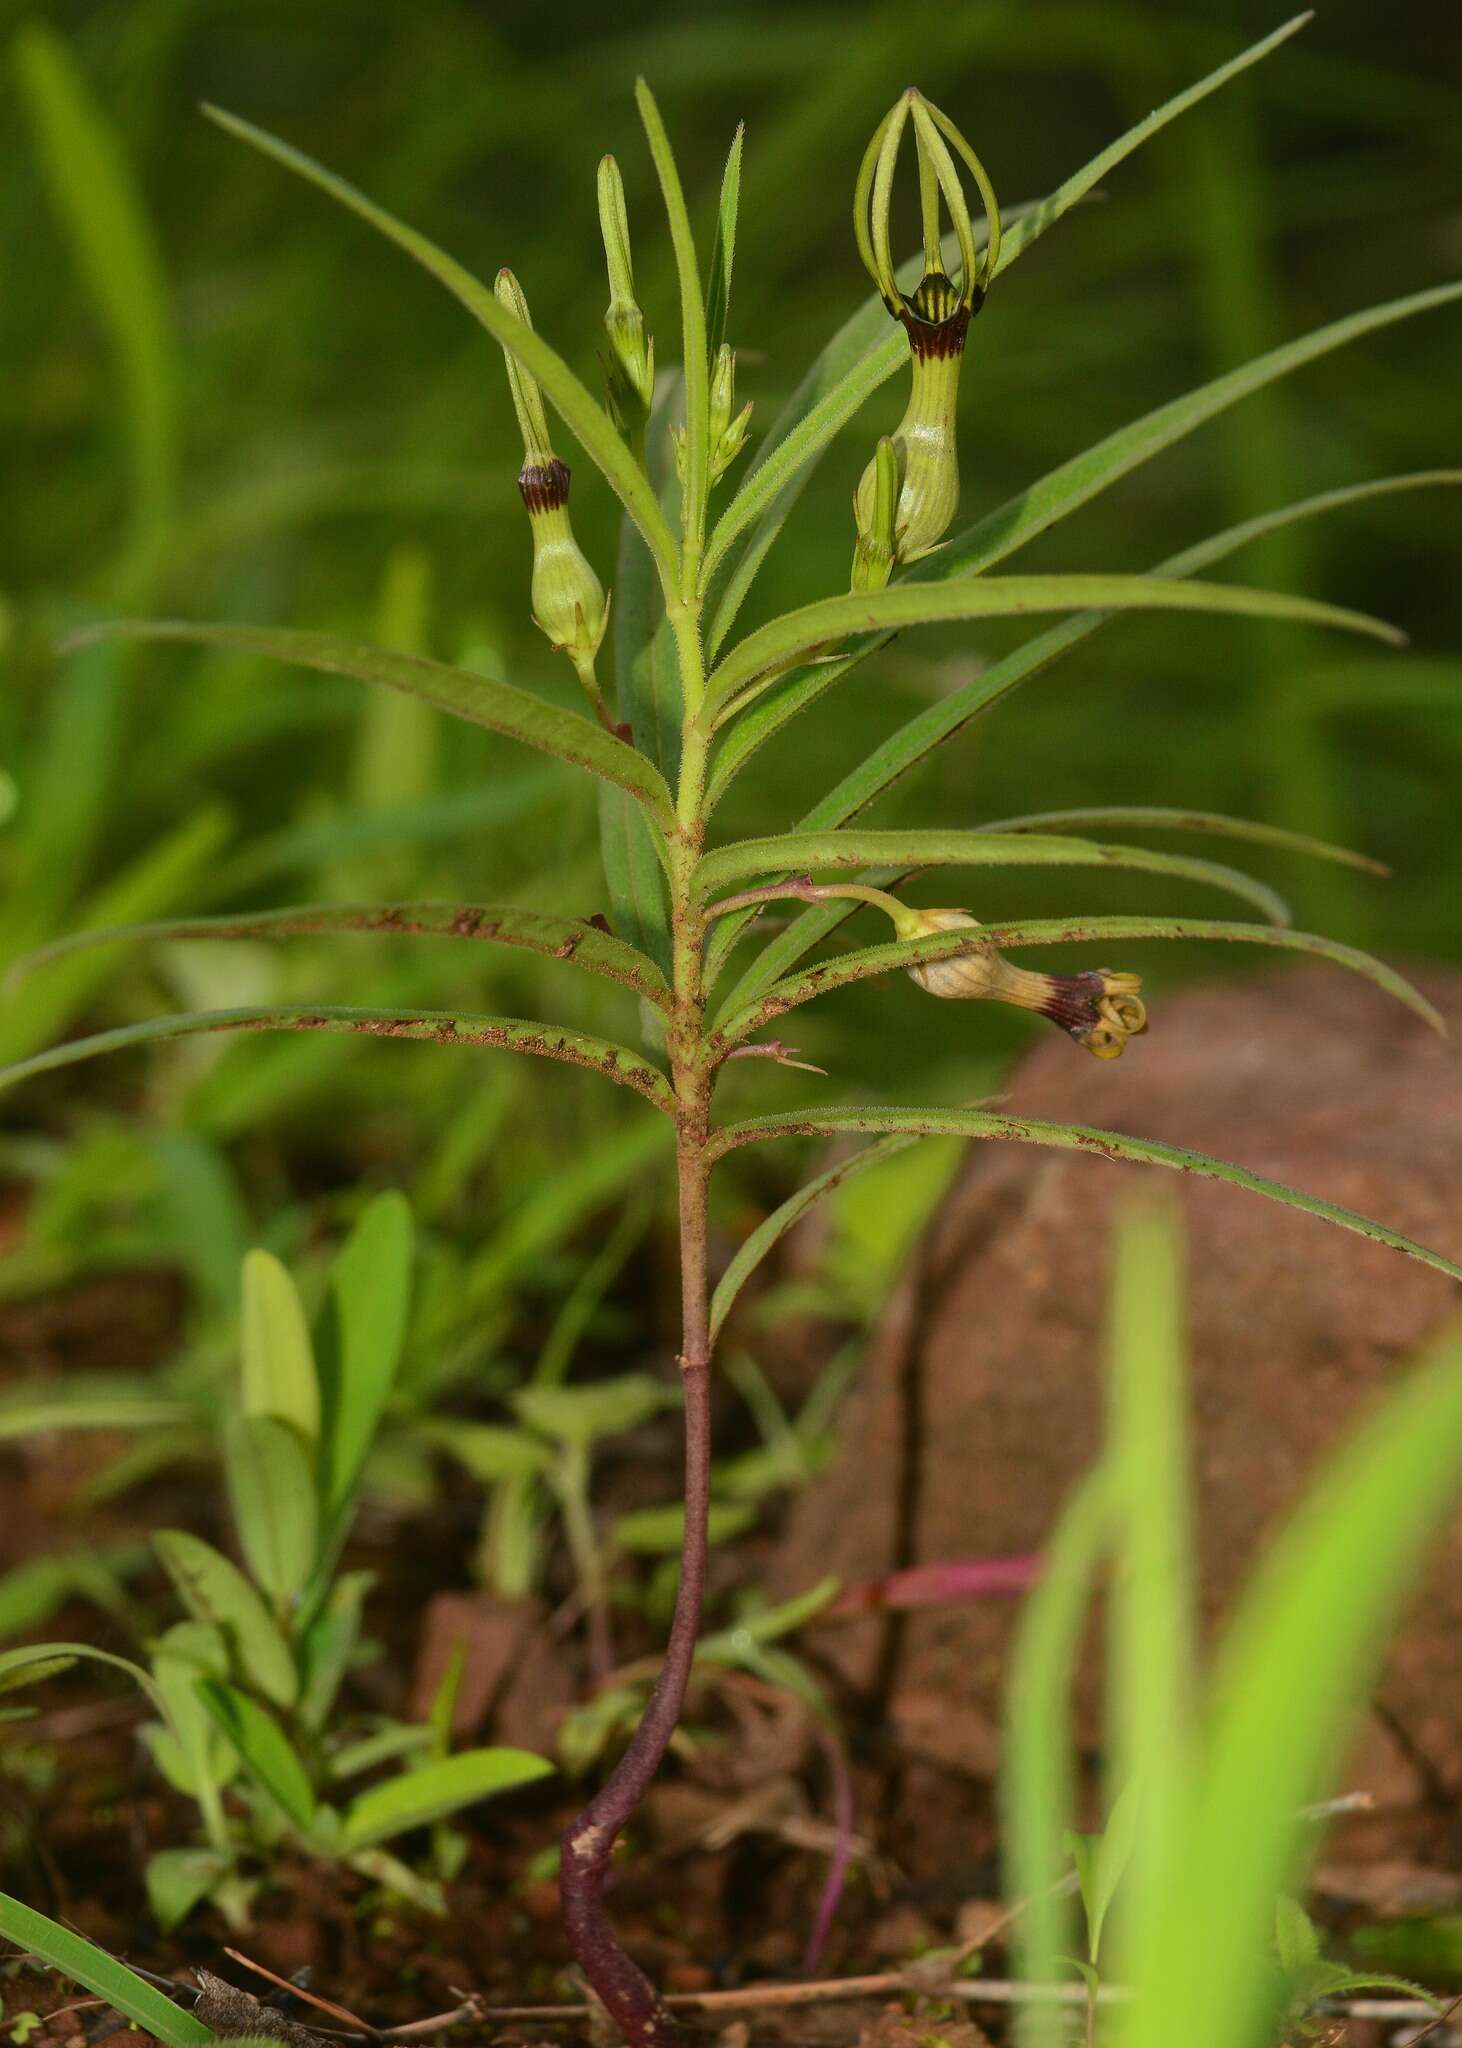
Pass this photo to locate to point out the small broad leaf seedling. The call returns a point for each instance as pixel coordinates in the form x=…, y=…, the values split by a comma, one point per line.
x=250, y=1724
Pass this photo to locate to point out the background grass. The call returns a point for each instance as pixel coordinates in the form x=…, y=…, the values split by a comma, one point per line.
x=224, y=398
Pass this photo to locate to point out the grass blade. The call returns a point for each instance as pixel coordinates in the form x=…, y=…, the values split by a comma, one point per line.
x=91, y=1967
x=1115, y=1145
x=96, y=196
x=440, y=1027
x=908, y=851
x=1325, y=1592
x=1152, y=1650
x=571, y=939
x=847, y=968
x=580, y=411
x=1037, y=1777
x=500, y=707
x=816, y=628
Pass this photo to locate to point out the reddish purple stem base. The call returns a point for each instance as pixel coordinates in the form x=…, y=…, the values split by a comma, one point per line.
x=588, y=1842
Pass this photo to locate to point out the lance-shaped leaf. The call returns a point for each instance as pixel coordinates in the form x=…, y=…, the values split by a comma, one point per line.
x=953, y=944
x=775, y=1227
x=1163, y=818
x=695, y=361
x=822, y=627
x=908, y=851
x=723, y=249
x=929, y=729
x=501, y=707
x=1114, y=1145
x=437, y=1027
x=579, y=410
x=1032, y=511
x=571, y=939
x=865, y=353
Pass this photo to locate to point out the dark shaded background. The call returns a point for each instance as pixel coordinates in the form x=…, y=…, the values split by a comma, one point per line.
x=331, y=445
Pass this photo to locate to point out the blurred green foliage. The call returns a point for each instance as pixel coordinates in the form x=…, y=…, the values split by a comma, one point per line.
x=224, y=398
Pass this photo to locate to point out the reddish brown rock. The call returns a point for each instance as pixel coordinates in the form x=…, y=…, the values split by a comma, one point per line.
x=980, y=1402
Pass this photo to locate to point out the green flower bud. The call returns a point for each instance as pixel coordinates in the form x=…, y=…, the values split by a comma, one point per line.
x=728, y=435
x=935, y=316
x=569, y=604
x=631, y=367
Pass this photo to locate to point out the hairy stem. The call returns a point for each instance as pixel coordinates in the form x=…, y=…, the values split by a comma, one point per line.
x=626, y=1993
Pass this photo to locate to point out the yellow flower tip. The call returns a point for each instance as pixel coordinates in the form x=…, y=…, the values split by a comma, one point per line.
x=1104, y=1015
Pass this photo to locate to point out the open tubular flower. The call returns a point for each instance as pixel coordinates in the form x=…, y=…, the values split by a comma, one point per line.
x=569, y=604
x=631, y=366
x=935, y=315
x=1099, y=1009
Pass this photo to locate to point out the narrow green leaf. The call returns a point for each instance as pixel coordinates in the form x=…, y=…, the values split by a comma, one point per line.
x=932, y=727
x=863, y=353
x=88, y=1402
x=1152, y=1651
x=1037, y=1776
x=439, y=1027
x=416, y=1798
x=817, y=628
x=1038, y=507
x=271, y=1488
x=213, y=1589
x=787, y=994
x=695, y=359
x=91, y=1967
x=580, y=411
x=723, y=249
x=362, y=1337
x=279, y=1376
x=659, y=1532
x=572, y=939
x=263, y=1747
x=95, y=193
x=501, y=707
x=1332, y=1582
x=774, y=1227
x=1162, y=818
x=913, y=850
x=982, y=1123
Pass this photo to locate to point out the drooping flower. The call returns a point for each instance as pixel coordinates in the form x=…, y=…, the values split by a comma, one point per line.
x=1099, y=1009
x=935, y=315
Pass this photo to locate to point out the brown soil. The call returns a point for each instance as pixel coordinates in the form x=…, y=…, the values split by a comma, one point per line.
x=985, y=1379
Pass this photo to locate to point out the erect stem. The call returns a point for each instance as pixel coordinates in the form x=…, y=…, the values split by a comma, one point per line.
x=588, y=1842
